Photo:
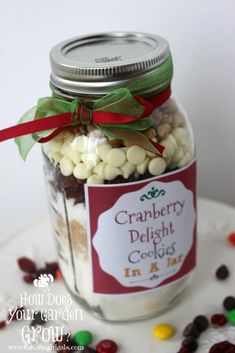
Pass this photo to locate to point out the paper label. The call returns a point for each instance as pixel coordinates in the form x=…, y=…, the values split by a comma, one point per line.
x=142, y=234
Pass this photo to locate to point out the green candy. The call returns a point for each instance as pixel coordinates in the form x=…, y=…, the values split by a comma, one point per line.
x=231, y=316
x=82, y=338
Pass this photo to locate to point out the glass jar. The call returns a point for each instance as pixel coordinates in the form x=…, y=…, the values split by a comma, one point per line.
x=122, y=197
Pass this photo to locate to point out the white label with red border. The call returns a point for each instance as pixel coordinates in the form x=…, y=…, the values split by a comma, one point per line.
x=142, y=234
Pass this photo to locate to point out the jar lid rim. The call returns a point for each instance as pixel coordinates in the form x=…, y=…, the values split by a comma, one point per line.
x=98, y=63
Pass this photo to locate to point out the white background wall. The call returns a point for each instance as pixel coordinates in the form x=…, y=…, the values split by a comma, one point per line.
x=201, y=34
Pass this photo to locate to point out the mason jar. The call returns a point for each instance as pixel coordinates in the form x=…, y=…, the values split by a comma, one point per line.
x=121, y=178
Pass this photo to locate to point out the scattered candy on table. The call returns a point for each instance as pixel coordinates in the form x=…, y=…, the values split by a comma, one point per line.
x=223, y=347
x=231, y=238
x=231, y=317
x=191, y=330
x=106, y=346
x=219, y=320
x=82, y=338
x=201, y=322
x=229, y=303
x=163, y=331
x=222, y=272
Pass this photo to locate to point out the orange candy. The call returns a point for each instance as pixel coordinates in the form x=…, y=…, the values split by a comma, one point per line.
x=231, y=238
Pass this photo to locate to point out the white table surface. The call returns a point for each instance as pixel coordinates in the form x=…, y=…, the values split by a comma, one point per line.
x=215, y=221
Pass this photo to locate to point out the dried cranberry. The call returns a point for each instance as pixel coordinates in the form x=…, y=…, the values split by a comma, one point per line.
x=27, y=265
x=2, y=324
x=42, y=271
x=52, y=267
x=219, y=320
x=221, y=347
x=231, y=349
x=28, y=278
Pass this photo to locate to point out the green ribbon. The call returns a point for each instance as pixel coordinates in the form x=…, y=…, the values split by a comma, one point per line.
x=119, y=101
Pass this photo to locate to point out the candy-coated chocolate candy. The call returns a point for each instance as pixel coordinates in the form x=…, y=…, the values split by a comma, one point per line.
x=231, y=317
x=229, y=303
x=201, y=322
x=163, y=331
x=222, y=272
x=231, y=238
x=191, y=330
x=190, y=343
x=82, y=338
x=106, y=346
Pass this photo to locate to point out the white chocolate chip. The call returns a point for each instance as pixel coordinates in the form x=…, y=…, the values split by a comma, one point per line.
x=178, y=155
x=54, y=157
x=66, y=166
x=163, y=130
x=180, y=134
x=74, y=155
x=172, y=140
x=80, y=143
x=90, y=159
x=103, y=151
x=111, y=172
x=141, y=168
x=157, y=166
x=65, y=148
x=95, y=179
x=168, y=161
x=136, y=155
x=169, y=148
x=81, y=171
x=127, y=169
x=55, y=145
x=187, y=158
x=116, y=157
x=99, y=169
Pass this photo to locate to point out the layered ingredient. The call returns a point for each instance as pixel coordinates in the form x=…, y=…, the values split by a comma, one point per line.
x=82, y=155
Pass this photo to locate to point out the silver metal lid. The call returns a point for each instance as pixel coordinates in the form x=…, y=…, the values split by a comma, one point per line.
x=97, y=64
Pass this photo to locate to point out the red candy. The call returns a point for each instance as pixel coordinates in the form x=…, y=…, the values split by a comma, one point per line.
x=219, y=320
x=231, y=238
x=27, y=265
x=106, y=346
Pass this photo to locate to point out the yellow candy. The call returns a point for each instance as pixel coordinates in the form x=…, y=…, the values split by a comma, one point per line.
x=163, y=331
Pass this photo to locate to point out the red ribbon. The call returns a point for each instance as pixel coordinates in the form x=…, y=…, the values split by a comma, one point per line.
x=60, y=121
